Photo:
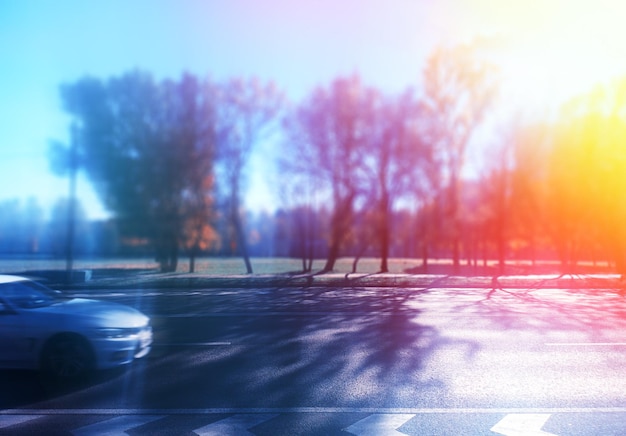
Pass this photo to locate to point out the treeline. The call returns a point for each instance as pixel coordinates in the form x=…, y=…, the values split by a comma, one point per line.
x=26, y=229
x=360, y=172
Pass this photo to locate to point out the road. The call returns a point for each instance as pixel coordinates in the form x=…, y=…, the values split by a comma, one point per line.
x=340, y=361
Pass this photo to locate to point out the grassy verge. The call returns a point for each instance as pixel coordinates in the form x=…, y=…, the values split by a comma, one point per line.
x=268, y=266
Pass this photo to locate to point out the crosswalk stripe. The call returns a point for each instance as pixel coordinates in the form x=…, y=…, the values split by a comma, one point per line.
x=115, y=426
x=9, y=420
x=234, y=425
x=522, y=424
x=244, y=422
x=379, y=425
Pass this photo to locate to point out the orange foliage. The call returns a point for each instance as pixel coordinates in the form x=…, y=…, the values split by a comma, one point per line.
x=587, y=173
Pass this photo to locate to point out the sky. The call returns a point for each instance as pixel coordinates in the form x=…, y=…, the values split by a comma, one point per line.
x=547, y=50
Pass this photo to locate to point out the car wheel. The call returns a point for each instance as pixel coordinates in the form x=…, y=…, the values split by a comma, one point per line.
x=67, y=357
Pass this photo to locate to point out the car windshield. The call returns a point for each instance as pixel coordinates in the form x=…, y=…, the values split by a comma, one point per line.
x=27, y=295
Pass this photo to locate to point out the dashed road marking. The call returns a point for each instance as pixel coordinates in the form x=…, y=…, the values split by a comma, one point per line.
x=586, y=344
x=191, y=344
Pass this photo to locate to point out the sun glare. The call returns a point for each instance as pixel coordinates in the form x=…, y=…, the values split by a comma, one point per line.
x=551, y=51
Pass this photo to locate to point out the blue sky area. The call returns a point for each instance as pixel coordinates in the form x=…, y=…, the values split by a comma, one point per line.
x=297, y=44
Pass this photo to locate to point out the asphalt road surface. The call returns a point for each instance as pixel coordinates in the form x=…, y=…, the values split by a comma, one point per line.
x=341, y=361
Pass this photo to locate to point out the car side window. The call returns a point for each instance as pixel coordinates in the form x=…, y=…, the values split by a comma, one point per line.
x=24, y=296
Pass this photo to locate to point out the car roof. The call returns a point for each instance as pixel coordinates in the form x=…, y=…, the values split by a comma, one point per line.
x=6, y=278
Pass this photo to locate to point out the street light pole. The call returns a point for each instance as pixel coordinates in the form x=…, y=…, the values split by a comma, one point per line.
x=71, y=206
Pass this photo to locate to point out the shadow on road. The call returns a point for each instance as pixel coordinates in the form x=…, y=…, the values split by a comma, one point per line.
x=269, y=348
x=326, y=349
x=591, y=310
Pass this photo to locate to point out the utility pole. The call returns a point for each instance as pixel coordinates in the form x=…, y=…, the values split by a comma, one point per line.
x=71, y=205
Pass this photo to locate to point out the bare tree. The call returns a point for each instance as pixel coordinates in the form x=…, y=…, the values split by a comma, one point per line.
x=493, y=210
x=303, y=237
x=299, y=194
x=327, y=136
x=458, y=90
x=245, y=111
x=198, y=233
x=529, y=186
x=397, y=162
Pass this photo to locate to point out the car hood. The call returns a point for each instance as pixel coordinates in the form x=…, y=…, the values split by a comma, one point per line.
x=97, y=313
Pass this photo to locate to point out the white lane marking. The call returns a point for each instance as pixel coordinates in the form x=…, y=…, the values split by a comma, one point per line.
x=379, y=425
x=272, y=314
x=278, y=410
x=586, y=344
x=9, y=420
x=234, y=425
x=522, y=424
x=115, y=426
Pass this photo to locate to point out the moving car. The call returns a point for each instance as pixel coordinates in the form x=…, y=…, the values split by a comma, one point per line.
x=66, y=337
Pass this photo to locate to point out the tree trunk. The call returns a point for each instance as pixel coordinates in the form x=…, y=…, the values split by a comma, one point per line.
x=384, y=234
x=335, y=243
x=241, y=238
x=333, y=254
x=192, y=260
x=310, y=255
x=362, y=249
x=456, y=255
x=501, y=254
x=174, y=258
x=342, y=217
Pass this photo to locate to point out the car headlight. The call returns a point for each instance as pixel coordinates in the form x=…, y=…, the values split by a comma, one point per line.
x=117, y=333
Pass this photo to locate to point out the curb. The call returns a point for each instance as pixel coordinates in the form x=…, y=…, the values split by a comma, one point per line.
x=190, y=281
